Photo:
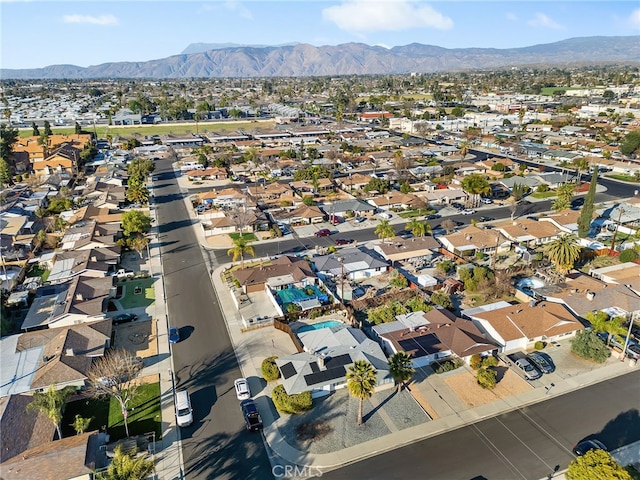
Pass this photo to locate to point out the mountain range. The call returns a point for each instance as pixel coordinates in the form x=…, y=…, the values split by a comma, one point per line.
x=300, y=60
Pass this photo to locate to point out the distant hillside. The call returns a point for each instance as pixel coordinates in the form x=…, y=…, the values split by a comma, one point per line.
x=205, y=47
x=347, y=59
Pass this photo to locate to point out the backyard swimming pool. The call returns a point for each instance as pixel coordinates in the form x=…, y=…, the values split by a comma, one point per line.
x=530, y=282
x=318, y=326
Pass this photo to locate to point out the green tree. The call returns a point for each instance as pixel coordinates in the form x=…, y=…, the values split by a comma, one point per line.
x=563, y=252
x=51, y=402
x=141, y=168
x=418, y=228
x=78, y=129
x=5, y=172
x=565, y=195
x=487, y=377
x=630, y=143
x=476, y=185
x=35, y=130
x=240, y=247
x=600, y=322
x=442, y=299
x=135, y=221
x=137, y=192
x=127, y=466
x=270, y=371
x=361, y=383
x=401, y=368
x=596, y=464
x=384, y=230
x=47, y=128
x=80, y=424
x=379, y=185
x=138, y=243
x=8, y=138
x=587, y=345
x=586, y=213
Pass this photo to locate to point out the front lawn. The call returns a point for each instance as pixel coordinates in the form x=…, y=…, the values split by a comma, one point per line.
x=544, y=194
x=144, y=414
x=249, y=237
x=623, y=177
x=414, y=213
x=138, y=292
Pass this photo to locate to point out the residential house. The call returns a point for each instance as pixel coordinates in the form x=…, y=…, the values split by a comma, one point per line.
x=226, y=198
x=57, y=356
x=70, y=458
x=565, y=220
x=182, y=141
x=474, y=239
x=21, y=428
x=518, y=327
x=398, y=200
x=283, y=272
x=301, y=215
x=351, y=207
x=87, y=235
x=306, y=186
x=96, y=262
x=444, y=196
x=17, y=236
x=92, y=213
x=63, y=161
x=529, y=232
x=211, y=173
x=271, y=193
x=403, y=250
x=224, y=222
x=431, y=336
x=329, y=352
x=79, y=299
x=355, y=181
x=353, y=263
x=124, y=116
x=627, y=273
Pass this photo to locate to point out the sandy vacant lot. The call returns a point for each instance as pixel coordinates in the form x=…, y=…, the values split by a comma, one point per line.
x=464, y=384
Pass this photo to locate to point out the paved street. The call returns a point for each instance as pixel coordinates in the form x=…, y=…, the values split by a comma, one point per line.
x=216, y=445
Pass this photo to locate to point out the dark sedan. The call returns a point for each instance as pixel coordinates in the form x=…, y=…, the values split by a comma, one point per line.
x=124, y=318
x=323, y=232
x=587, y=445
x=343, y=241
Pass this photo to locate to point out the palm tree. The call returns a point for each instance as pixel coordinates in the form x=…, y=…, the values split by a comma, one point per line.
x=240, y=247
x=476, y=185
x=563, y=252
x=124, y=465
x=361, y=382
x=600, y=322
x=401, y=368
x=463, y=149
x=417, y=228
x=384, y=230
x=50, y=402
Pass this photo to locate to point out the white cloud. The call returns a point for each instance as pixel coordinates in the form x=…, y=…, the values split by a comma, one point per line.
x=634, y=18
x=90, y=19
x=512, y=17
x=543, y=21
x=230, y=6
x=359, y=16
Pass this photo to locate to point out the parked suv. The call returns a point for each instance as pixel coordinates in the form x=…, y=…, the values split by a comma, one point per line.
x=529, y=370
x=540, y=362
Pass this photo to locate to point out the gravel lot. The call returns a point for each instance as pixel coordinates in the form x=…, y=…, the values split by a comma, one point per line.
x=331, y=424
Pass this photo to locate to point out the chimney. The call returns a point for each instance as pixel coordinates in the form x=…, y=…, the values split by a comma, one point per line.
x=321, y=363
x=590, y=295
x=79, y=297
x=69, y=352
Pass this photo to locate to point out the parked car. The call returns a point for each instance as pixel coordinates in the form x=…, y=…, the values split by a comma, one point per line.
x=343, y=241
x=432, y=216
x=121, y=274
x=587, y=445
x=467, y=211
x=540, y=362
x=359, y=219
x=486, y=219
x=323, y=232
x=335, y=220
x=124, y=318
x=252, y=418
x=486, y=201
x=184, y=413
x=633, y=351
x=242, y=389
x=529, y=370
x=385, y=215
x=174, y=335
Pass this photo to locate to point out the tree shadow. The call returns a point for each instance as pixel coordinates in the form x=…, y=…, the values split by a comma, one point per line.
x=622, y=430
x=500, y=372
x=379, y=406
x=170, y=226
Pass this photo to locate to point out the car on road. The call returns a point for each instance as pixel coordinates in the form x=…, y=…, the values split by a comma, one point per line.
x=467, y=211
x=529, y=370
x=540, y=362
x=587, y=445
x=486, y=219
x=174, y=335
x=433, y=216
x=242, y=389
x=124, y=318
x=323, y=232
x=343, y=241
x=252, y=418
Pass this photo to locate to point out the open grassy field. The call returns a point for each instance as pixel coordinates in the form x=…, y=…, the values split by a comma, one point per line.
x=128, y=131
x=549, y=90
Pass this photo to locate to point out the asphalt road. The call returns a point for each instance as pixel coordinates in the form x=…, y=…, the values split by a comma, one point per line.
x=528, y=443
x=217, y=444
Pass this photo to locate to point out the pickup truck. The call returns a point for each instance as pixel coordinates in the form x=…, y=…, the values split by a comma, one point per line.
x=122, y=273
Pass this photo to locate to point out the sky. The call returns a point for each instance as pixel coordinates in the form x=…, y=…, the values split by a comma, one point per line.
x=38, y=33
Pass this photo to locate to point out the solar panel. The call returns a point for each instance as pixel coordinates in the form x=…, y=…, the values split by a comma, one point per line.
x=325, y=376
x=314, y=367
x=288, y=370
x=339, y=361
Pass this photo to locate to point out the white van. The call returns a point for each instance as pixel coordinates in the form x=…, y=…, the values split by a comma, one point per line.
x=184, y=414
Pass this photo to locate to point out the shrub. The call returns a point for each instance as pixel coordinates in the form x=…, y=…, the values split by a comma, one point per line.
x=476, y=361
x=539, y=345
x=270, y=370
x=285, y=403
x=445, y=266
x=490, y=361
x=487, y=378
x=293, y=308
x=442, y=299
x=449, y=365
x=628, y=256
x=587, y=345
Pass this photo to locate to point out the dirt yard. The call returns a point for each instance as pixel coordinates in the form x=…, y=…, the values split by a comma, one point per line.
x=467, y=389
x=138, y=338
